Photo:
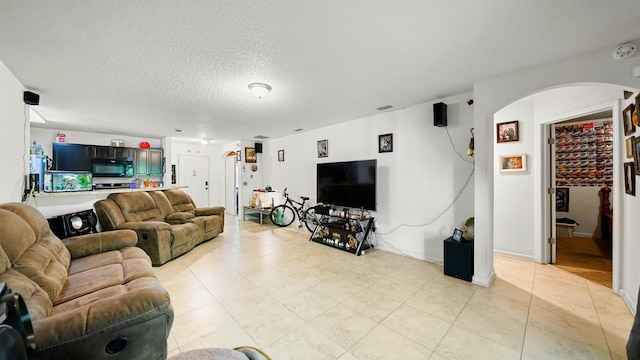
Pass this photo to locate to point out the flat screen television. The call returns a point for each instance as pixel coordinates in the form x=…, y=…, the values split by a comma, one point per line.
x=349, y=183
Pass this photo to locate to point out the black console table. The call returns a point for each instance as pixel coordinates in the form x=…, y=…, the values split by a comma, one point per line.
x=349, y=234
x=458, y=259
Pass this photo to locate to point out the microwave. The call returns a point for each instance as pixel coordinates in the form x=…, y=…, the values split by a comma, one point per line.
x=112, y=168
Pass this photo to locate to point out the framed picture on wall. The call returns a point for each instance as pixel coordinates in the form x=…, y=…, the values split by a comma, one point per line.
x=562, y=199
x=323, y=148
x=636, y=111
x=629, y=178
x=507, y=131
x=250, y=155
x=280, y=155
x=627, y=115
x=385, y=143
x=513, y=163
x=630, y=142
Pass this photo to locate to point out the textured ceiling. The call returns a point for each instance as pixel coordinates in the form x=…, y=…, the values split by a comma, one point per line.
x=143, y=68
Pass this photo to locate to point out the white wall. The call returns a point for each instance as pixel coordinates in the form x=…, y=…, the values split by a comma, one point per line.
x=14, y=146
x=584, y=208
x=493, y=95
x=415, y=183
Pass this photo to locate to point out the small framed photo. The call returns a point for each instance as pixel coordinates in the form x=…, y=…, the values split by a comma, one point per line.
x=630, y=142
x=323, y=148
x=457, y=235
x=250, y=155
x=385, y=143
x=562, y=199
x=627, y=118
x=629, y=178
x=513, y=163
x=280, y=155
x=507, y=131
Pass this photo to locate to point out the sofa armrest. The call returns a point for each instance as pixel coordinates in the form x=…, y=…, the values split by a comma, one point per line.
x=214, y=210
x=85, y=245
x=179, y=218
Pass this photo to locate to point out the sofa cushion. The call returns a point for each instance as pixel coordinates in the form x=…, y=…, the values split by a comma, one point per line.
x=137, y=206
x=181, y=201
x=41, y=256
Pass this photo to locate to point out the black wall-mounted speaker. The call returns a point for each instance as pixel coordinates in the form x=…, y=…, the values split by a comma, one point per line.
x=258, y=147
x=73, y=224
x=439, y=114
x=31, y=98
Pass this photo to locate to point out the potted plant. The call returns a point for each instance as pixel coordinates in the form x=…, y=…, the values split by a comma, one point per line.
x=467, y=227
x=146, y=181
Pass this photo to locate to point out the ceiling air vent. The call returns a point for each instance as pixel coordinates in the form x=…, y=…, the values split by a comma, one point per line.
x=260, y=137
x=386, y=107
x=298, y=130
x=178, y=131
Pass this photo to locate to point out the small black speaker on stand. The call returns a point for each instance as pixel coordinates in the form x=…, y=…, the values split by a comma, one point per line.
x=440, y=114
x=31, y=98
x=258, y=147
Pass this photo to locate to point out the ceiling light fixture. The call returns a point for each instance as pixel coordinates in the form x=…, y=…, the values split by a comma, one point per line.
x=260, y=90
x=204, y=141
x=624, y=51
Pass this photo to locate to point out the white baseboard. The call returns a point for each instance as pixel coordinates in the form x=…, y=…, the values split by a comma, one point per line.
x=484, y=281
x=628, y=300
x=515, y=255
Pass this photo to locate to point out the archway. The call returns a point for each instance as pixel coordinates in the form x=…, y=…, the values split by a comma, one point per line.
x=522, y=228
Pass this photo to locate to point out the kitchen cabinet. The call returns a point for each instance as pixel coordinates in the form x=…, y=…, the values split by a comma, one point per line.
x=111, y=152
x=148, y=162
x=72, y=157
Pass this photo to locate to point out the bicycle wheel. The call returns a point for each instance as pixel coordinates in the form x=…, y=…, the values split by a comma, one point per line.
x=282, y=215
x=311, y=220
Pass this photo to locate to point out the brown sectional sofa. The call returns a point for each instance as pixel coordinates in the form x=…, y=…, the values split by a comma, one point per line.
x=167, y=222
x=84, y=294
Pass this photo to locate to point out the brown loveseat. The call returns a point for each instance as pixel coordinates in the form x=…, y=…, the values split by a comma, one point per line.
x=87, y=295
x=167, y=222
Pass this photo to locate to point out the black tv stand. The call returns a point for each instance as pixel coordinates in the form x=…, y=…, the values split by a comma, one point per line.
x=349, y=233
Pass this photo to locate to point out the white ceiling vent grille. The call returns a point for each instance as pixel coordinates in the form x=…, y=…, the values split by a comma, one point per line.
x=386, y=107
x=260, y=137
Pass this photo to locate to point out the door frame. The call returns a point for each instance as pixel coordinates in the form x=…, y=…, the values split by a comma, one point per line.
x=616, y=193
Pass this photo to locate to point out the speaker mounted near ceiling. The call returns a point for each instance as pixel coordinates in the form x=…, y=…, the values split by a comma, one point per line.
x=73, y=224
x=31, y=98
x=258, y=147
x=440, y=114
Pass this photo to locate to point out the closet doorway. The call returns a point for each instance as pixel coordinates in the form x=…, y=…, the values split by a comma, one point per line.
x=582, y=173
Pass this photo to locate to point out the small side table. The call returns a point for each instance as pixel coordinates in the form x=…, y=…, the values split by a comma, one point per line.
x=458, y=259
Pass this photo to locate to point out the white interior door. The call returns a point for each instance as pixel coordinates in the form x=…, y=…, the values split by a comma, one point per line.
x=230, y=196
x=193, y=171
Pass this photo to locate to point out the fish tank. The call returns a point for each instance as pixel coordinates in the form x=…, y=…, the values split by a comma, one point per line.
x=68, y=181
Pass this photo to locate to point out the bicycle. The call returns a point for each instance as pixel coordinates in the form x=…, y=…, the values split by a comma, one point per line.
x=283, y=215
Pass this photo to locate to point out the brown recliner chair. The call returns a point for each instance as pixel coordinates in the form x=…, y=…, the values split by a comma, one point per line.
x=89, y=297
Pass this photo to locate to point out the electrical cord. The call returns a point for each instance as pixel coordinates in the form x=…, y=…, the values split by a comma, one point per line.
x=435, y=217
x=454, y=147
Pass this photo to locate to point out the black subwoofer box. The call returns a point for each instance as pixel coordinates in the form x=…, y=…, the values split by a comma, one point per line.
x=458, y=259
x=73, y=224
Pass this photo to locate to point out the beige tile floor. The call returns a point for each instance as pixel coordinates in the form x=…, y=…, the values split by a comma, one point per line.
x=271, y=288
